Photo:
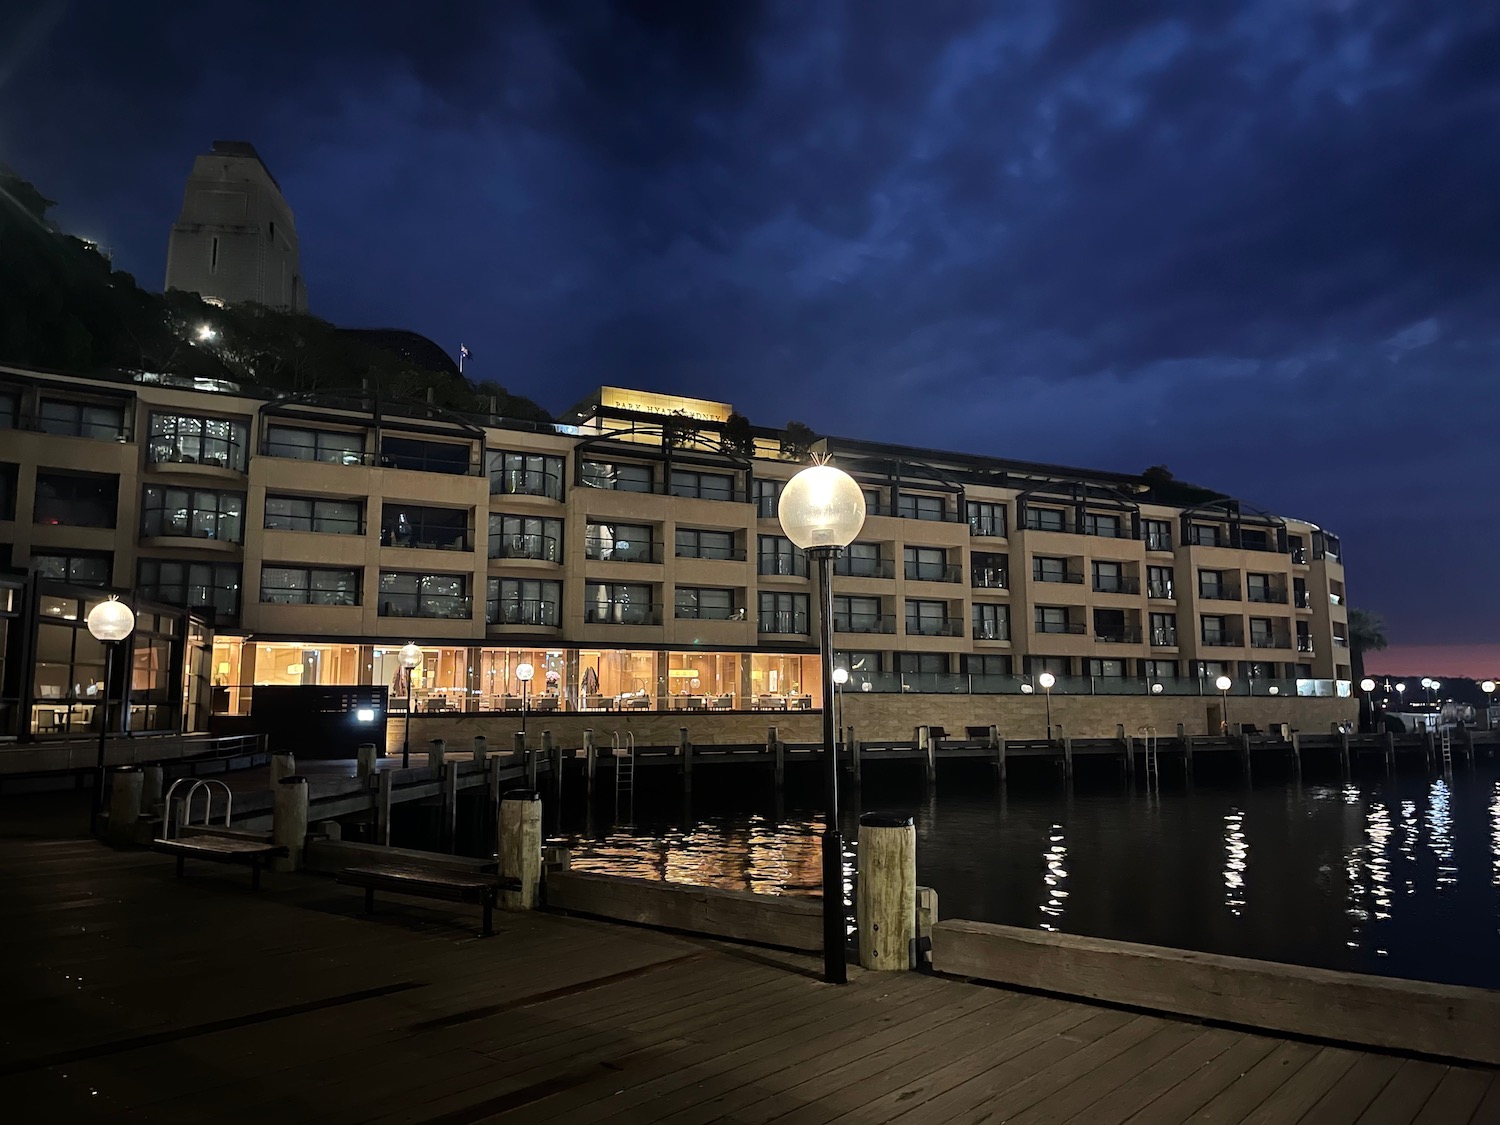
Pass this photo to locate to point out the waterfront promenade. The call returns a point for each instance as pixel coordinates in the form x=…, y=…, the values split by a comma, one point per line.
x=132, y=996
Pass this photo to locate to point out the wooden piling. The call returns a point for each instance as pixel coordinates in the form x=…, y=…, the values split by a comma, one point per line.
x=125, y=786
x=924, y=742
x=554, y=762
x=1297, y=749
x=289, y=822
x=520, y=846
x=1344, y=752
x=999, y=754
x=150, y=789
x=437, y=753
x=1187, y=750
x=590, y=759
x=1067, y=747
x=1390, y=752
x=364, y=763
x=481, y=748
x=449, y=831
x=685, y=748
x=282, y=765
x=886, y=905
x=778, y=753
x=385, y=780
x=859, y=754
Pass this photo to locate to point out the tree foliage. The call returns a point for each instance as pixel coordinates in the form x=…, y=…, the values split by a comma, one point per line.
x=1366, y=631
x=797, y=440
x=67, y=310
x=738, y=437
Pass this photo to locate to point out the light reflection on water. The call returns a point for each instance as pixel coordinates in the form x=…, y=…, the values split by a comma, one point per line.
x=1398, y=876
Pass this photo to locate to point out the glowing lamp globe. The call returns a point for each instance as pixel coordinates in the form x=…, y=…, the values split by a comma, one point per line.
x=1275, y=690
x=1488, y=687
x=1367, y=684
x=524, y=672
x=1401, y=687
x=821, y=507
x=1026, y=689
x=866, y=686
x=111, y=621
x=841, y=676
x=411, y=656
x=1426, y=682
x=1046, y=679
x=1435, y=685
x=1223, y=683
x=1156, y=689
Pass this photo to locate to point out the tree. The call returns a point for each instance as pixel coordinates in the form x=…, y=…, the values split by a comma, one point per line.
x=797, y=440
x=738, y=437
x=1366, y=634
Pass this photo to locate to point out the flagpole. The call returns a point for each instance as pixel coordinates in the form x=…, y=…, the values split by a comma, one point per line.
x=461, y=352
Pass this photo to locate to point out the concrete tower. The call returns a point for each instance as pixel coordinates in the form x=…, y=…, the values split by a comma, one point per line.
x=235, y=239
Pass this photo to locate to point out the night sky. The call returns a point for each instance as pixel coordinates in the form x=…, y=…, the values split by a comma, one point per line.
x=1257, y=242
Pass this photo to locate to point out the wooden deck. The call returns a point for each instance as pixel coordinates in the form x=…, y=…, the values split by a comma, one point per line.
x=131, y=996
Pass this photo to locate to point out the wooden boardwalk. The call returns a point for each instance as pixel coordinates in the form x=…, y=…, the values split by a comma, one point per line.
x=130, y=996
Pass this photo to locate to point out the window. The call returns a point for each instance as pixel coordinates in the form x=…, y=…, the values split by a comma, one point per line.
x=1164, y=629
x=77, y=568
x=858, y=615
x=8, y=475
x=300, y=585
x=693, y=543
x=910, y=506
x=214, y=586
x=1044, y=569
x=305, y=513
x=619, y=603
x=1261, y=588
x=703, y=486
x=1256, y=539
x=1111, y=669
x=81, y=419
x=1157, y=670
x=777, y=555
x=420, y=456
x=987, y=664
x=10, y=409
x=524, y=474
x=1216, y=630
x=1300, y=597
x=1057, y=665
x=1297, y=548
x=1262, y=633
x=192, y=513
x=1159, y=582
x=1054, y=619
x=75, y=499
x=990, y=572
x=523, y=601
x=925, y=564
x=991, y=622
x=861, y=560
x=861, y=665
x=1157, y=534
x=617, y=477
x=875, y=504
x=404, y=594
x=1304, y=638
x=1205, y=535
x=1107, y=527
x=1109, y=578
x=1110, y=626
x=986, y=519
x=783, y=613
x=767, y=496
x=329, y=446
x=925, y=618
x=704, y=603
x=525, y=537
x=1213, y=669
x=434, y=529
x=922, y=663
x=619, y=542
x=1217, y=585
x=1046, y=519
x=191, y=440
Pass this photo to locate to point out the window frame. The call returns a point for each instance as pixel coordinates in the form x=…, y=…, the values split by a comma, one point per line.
x=310, y=575
x=236, y=443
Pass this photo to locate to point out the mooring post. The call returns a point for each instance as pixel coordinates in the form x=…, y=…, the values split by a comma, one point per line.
x=1129, y=755
x=1067, y=745
x=1390, y=752
x=481, y=748
x=125, y=785
x=590, y=759
x=685, y=748
x=1244, y=741
x=999, y=753
x=1344, y=751
x=924, y=742
x=450, y=805
x=1429, y=747
x=150, y=789
x=853, y=746
x=437, y=753
x=858, y=751
x=1187, y=749
x=364, y=761
x=554, y=763
x=927, y=916
x=520, y=846
x=1297, y=749
x=778, y=754
x=385, y=781
x=886, y=904
x=283, y=764
x=289, y=822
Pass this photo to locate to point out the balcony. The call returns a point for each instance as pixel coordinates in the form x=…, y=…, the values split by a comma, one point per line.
x=526, y=482
x=989, y=578
x=1304, y=645
x=1036, y=522
x=783, y=621
x=990, y=631
x=1110, y=584
x=934, y=626
x=447, y=607
x=605, y=550
x=1340, y=642
x=708, y=613
x=1126, y=636
x=1302, y=599
x=1270, y=640
x=1105, y=530
x=543, y=548
x=1162, y=591
x=847, y=567
x=864, y=622
x=1223, y=640
x=1164, y=638
x=535, y=612
x=907, y=508
x=620, y=613
x=784, y=566
x=1299, y=555
x=1220, y=592
x=933, y=572
x=1157, y=542
x=987, y=528
x=1266, y=594
x=722, y=554
x=1070, y=577
x=1075, y=628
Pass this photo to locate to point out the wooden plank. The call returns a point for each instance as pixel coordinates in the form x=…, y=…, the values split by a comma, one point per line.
x=1404, y=1096
x=1349, y=1096
x=1457, y=1096
x=1254, y=1064
x=1203, y=1049
x=1291, y=1099
x=1487, y=1112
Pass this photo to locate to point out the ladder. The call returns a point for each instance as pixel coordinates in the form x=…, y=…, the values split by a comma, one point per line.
x=185, y=811
x=624, y=755
x=1153, y=767
x=1445, y=737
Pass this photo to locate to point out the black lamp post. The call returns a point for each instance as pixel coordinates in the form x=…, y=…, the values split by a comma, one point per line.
x=821, y=510
x=109, y=622
x=1047, y=679
x=411, y=656
x=1224, y=683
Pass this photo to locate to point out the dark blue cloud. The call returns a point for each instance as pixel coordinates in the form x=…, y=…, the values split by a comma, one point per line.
x=1257, y=241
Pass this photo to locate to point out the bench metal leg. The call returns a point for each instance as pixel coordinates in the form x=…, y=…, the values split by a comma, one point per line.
x=181, y=863
x=369, y=900
x=255, y=874
x=489, y=914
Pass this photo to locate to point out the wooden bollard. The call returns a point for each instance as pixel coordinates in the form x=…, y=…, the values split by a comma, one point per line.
x=685, y=747
x=384, y=791
x=481, y=748
x=778, y=755
x=282, y=765
x=437, y=753
x=1429, y=746
x=1296, y=740
x=151, y=789
x=999, y=752
x=125, y=785
x=1390, y=752
x=520, y=846
x=289, y=822
x=858, y=751
x=450, y=805
x=929, y=760
x=1187, y=748
x=554, y=761
x=519, y=745
x=1344, y=750
x=1067, y=747
x=365, y=762
x=590, y=759
x=886, y=906
x=927, y=916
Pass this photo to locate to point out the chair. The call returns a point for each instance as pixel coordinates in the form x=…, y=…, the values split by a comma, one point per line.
x=544, y=703
x=772, y=703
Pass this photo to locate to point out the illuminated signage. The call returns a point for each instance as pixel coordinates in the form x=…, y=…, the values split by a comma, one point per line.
x=645, y=402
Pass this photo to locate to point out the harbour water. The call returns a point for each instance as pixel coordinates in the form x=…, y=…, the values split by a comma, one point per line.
x=1392, y=875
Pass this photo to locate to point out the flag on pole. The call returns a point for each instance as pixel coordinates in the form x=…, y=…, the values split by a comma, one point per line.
x=463, y=354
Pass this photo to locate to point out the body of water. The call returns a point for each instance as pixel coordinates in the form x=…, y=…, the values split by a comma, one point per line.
x=1398, y=876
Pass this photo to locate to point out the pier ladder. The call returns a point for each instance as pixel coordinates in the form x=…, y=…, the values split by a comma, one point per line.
x=1445, y=739
x=624, y=754
x=1153, y=767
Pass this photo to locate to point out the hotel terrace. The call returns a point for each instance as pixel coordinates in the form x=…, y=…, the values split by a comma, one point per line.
x=630, y=553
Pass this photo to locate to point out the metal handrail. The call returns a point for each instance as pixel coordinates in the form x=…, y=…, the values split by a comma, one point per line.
x=186, y=819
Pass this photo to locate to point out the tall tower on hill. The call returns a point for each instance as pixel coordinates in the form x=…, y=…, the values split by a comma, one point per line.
x=234, y=239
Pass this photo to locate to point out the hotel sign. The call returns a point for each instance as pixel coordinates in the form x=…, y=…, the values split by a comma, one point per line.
x=645, y=402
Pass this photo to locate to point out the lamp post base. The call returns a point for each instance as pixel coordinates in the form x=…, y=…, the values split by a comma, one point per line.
x=835, y=962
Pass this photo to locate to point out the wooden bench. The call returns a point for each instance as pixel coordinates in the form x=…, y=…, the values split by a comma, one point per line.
x=431, y=882
x=222, y=849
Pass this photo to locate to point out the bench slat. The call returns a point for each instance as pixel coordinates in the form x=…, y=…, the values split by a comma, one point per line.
x=219, y=847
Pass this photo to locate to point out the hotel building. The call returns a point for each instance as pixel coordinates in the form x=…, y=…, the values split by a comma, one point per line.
x=630, y=553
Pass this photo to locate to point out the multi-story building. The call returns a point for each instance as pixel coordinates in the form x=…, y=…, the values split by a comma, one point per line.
x=631, y=553
x=234, y=239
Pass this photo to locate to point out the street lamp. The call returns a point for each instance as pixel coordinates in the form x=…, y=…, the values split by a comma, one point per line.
x=840, y=678
x=110, y=622
x=1224, y=683
x=410, y=656
x=1047, y=679
x=821, y=510
x=1156, y=689
x=524, y=672
x=1427, y=688
x=1488, y=687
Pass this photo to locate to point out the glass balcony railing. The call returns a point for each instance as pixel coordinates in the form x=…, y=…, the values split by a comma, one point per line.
x=932, y=572
x=1164, y=638
x=620, y=613
x=1162, y=591
x=1270, y=595
x=1270, y=640
x=1125, y=636
x=1220, y=592
x=864, y=622
x=449, y=607
x=850, y=567
x=1223, y=640
x=1070, y=577
x=990, y=631
x=1110, y=584
x=1302, y=599
x=544, y=548
x=934, y=626
x=782, y=621
x=1075, y=628
x=786, y=566
x=989, y=578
